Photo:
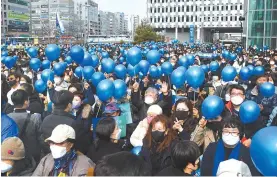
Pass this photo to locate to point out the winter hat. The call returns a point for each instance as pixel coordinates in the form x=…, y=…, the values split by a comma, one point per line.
x=12, y=148
x=155, y=109
x=111, y=108
x=233, y=168
x=61, y=133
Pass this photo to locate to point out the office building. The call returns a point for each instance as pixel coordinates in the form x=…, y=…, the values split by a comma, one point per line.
x=262, y=23
x=184, y=19
x=15, y=17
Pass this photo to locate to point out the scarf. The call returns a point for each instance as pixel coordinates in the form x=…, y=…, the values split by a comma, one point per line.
x=63, y=164
x=219, y=154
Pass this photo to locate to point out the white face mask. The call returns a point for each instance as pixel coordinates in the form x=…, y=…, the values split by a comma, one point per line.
x=30, y=76
x=227, y=97
x=76, y=104
x=38, y=76
x=5, y=167
x=118, y=134
x=230, y=139
x=57, y=151
x=236, y=100
x=6, y=73
x=22, y=82
x=57, y=80
x=272, y=62
x=24, y=69
x=215, y=78
x=149, y=100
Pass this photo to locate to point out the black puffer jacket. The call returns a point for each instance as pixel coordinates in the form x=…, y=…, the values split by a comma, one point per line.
x=36, y=104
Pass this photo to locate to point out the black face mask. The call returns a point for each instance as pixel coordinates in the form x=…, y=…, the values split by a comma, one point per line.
x=158, y=136
x=12, y=83
x=182, y=115
x=215, y=126
x=193, y=95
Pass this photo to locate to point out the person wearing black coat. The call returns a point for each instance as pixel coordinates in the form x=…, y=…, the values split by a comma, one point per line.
x=151, y=97
x=228, y=147
x=107, y=140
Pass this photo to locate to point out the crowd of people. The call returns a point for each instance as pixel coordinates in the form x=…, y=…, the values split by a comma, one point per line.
x=155, y=129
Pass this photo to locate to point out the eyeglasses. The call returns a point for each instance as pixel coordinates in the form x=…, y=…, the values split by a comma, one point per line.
x=226, y=132
x=237, y=94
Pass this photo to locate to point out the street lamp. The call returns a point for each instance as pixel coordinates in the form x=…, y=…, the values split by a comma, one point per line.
x=241, y=19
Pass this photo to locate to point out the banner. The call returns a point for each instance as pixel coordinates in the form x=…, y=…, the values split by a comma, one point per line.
x=19, y=16
x=20, y=2
x=191, y=33
x=59, y=24
x=18, y=26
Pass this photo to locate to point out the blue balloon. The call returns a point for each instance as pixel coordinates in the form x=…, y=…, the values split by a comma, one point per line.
x=58, y=69
x=228, y=73
x=88, y=71
x=214, y=56
x=35, y=64
x=33, y=52
x=155, y=47
x=107, y=65
x=263, y=151
x=167, y=68
x=244, y=73
x=105, y=90
x=214, y=66
x=249, y=112
x=79, y=71
x=120, y=71
x=4, y=53
x=87, y=60
x=178, y=77
x=134, y=56
x=182, y=68
x=154, y=72
x=121, y=60
x=267, y=89
x=9, y=62
x=251, y=69
x=95, y=60
x=52, y=52
x=45, y=64
x=132, y=70
x=47, y=75
x=136, y=150
x=77, y=54
x=183, y=61
x=190, y=59
x=226, y=54
x=15, y=57
x=195, y=76
x=68, y=60
x=96, y=78
x=212, y=107
x=40, y=86
x=105, y=55
x=153, y=56
x=233, y=57
x=259, y=70
x=3, y=59
x=120, y=89
x=144, y=67
x=205, y=68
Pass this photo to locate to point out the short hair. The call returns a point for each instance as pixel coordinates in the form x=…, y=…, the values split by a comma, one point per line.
x=183, y=153
x=105, y=128
x=232, y=122
x=261, y=76
x=122, y=164
x=238, y=87
x=28, y=88
x=28, y=80
x=62, y=99
x=153, y=90
x=15, y=74
x=19, y=97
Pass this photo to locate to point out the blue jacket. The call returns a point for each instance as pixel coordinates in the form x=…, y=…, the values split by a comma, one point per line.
x=8, y=127
x=273, y=115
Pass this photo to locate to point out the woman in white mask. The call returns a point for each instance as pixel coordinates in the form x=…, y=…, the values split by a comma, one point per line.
x=14, y=162
x=228, y=147
x=107, y=139
x=63, y=159
x=237, y=96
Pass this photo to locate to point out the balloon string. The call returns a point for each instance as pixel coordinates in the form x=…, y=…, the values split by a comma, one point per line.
x=98, y=110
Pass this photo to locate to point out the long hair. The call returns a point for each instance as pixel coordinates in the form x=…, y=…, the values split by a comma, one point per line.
x=168, y=138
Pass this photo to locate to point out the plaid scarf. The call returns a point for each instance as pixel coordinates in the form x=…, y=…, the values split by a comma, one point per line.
x=62, y=164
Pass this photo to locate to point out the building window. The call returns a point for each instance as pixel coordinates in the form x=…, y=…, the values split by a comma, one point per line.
x=222, y=7
x=187, y=8
x=236, y=7
x=241, y=7
x=226, y=19
x=221, y=18
x=204, y=8
x=151, y=19
x=236, y=18
x=4, y=7
x=191, y=18
x=174, y=19
x=174, y=9
x=231, y=18
x=178, y=18
x=213, y=8
x=187, y=18
x=231, y=7
x=162, y=10
x=183, y=18
x=183, y=8
x=217, y=18
x=196, y=8
x=209, y=18
x=179, y=8
x=5, y=15
x=217, y=8
x=195, y=18
x=227, y=7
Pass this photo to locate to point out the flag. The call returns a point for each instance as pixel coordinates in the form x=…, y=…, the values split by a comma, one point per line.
x=59, y=24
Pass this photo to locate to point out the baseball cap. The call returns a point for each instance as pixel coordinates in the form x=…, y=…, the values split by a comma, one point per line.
x=12, y=148
x=61, y=133
x=111, y=108
x=233, y=168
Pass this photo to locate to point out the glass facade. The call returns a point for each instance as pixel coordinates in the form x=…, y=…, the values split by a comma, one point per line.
x=262, y=23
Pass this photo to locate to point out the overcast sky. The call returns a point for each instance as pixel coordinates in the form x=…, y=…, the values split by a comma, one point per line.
x=130, y=7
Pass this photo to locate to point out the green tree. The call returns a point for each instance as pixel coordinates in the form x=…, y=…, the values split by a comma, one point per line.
x=146, y=33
